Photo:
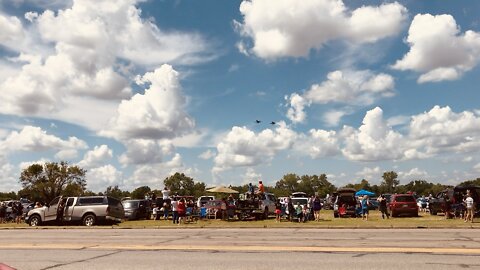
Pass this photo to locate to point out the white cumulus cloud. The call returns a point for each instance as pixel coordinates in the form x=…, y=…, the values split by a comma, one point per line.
x=85, y=51
x=34, y=139
x=374, y=139
x=242, y=147
x=157, y=114
x=141, y=151
x=290, y=28
x=96, y=157
x=350, y=87
x=438, y=49
x=99, y=178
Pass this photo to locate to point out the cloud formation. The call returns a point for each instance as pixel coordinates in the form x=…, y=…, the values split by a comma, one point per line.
x=157, y=114
x=242, y=147
x=290, y=28
x=438, y=49
x=34, y=139
x=85, y=53
x=350, y=87
x=96, y=157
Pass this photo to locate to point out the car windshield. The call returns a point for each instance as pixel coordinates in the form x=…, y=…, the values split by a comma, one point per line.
x=302, y=201
x=346, y=199
x=130, y=204
x=405, y=199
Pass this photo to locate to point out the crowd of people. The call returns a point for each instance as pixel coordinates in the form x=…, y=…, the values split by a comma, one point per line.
x=14, y=215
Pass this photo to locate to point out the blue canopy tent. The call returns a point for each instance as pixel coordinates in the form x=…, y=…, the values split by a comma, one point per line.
x=364, y=192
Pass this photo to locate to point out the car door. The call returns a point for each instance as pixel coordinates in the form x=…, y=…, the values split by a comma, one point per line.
x=69, y=209
x=51, y=210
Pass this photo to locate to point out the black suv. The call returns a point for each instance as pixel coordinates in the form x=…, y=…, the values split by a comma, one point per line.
x=455, y=197
x=345, y=203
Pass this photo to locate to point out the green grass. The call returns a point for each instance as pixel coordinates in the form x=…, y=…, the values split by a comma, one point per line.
x=425, y=220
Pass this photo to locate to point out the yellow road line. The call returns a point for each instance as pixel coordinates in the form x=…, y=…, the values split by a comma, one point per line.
x=423, y=250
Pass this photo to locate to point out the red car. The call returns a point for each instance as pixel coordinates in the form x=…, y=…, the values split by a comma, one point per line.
x=403, y=204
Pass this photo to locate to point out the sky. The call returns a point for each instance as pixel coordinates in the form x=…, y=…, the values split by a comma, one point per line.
x=136, y=90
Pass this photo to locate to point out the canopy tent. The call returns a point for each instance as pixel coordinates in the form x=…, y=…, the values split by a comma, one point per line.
x=364, y=192
x=222, y=189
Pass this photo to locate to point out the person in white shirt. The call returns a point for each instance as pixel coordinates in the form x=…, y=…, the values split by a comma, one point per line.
x=175, y=211
x=469, y=207
x=166, y=193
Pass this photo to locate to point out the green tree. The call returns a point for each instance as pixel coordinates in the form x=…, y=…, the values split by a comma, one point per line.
x=116, y=192
x=390, y=181
x=50, y=179
x=364, y=184
x=184, y=185
x=73, y=189
x=289, y=183
x=325, y=187
x=5, y=196
x=475, y=182
x=140, y=192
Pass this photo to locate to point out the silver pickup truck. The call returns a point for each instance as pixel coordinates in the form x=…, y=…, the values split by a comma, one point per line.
x=87, y=210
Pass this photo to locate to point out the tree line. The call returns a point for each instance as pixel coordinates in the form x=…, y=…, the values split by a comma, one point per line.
x=43, y=182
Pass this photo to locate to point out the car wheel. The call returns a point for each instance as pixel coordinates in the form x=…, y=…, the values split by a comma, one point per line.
x=265, y=213
x=35, y=220
x=394, y=214
x=335, y=215
x=89, y=220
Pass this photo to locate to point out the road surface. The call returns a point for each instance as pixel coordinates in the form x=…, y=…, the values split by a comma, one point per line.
x=105, y=248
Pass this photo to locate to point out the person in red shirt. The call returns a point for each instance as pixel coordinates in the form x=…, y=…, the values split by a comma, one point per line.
x=182, y=211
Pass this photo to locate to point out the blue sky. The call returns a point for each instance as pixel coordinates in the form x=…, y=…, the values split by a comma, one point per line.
x=134, y=91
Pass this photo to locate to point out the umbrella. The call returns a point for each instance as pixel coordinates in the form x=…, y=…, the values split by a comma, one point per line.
x=222, y=189
x=364, y=192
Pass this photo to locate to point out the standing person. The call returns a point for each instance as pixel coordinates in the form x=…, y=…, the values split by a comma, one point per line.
x=447, y=207
x=230, y=207
x=299, y=212
x=182, y=211
x=166, y=209
x=316, y=206
x=290, y=209
x=174, y=205
x=155, y=212
x=19, y=209
x=383, y=206
x=469, y=207
x=278, y=210
x=223, y=208
x=165, y=193
x=364, y=204
x=60, y=210
x=3, y=212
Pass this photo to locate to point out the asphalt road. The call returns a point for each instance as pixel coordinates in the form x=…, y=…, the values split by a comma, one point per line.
x=104, y=248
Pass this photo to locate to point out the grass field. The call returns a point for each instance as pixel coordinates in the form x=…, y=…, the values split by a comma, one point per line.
x=425, y=220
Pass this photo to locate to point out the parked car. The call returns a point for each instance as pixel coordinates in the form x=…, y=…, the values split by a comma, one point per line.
x=299, y=195
x=403, y=204
x=137, y=209
x=260, y=205
x=345, y=202
x=87, y=210
x=202, y=200
x=455, y=197
x=374, y=204
x=302, y=201
x=422, y=203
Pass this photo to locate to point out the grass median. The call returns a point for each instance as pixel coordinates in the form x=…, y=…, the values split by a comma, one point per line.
x=425, y=220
